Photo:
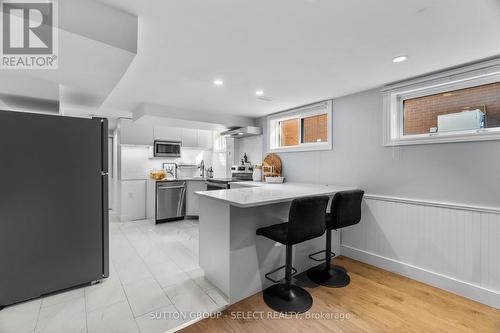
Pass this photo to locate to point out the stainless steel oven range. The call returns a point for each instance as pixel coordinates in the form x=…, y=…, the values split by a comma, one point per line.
x=239, y=173
x=218, y=183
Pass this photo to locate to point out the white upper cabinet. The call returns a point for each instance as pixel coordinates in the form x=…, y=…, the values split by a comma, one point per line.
x=142, y=134
x=205, y=139
x=167, y=133
x=135, y=134
x=189, y=137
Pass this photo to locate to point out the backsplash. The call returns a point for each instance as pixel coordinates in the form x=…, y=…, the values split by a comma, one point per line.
x=252, y=146
x=136, y=162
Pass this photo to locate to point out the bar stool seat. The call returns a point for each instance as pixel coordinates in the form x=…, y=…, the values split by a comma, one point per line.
x=276, y=232
x=345, y=211
x=306, y=221
x=280, y=233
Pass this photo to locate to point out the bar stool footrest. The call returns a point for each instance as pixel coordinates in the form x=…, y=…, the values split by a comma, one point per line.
x=294, y=271
x=311, y=256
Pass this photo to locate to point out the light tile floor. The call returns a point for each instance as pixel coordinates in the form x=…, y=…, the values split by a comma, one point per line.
x=155, y=285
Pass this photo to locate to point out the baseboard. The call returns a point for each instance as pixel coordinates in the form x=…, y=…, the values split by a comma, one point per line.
x=130, y=218
x=459, y=287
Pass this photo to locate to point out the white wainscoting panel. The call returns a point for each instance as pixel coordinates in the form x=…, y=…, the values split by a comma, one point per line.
x=451, y=247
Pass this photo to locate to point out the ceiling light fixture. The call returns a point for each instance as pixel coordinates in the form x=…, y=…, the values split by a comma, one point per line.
x=218, y=82
x=399, y=59
x=259, y=92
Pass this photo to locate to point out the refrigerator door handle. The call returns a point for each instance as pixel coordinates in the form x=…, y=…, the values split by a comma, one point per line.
x=104, y=144
x=105, y=197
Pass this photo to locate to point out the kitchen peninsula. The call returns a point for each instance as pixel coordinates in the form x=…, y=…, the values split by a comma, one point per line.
x=233, y=257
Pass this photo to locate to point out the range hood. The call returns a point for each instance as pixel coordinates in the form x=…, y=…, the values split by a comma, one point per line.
x=242, y=132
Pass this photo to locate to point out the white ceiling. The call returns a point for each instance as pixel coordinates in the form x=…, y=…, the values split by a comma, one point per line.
x=92, y=59
x=297, y=51
x=88, y=71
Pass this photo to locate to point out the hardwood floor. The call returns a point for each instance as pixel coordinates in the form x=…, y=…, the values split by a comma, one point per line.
x=374, y=301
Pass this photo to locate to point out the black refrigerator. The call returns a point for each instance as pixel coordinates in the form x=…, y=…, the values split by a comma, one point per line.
x=53, y=204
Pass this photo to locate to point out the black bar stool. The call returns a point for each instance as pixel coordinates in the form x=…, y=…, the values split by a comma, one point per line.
x=345, y=211
x=306, y=221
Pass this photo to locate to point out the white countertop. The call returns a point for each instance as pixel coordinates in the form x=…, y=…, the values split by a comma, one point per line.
x=258, y=193
x=178, y=179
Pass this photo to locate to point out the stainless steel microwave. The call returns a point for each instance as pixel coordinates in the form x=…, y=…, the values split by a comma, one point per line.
x=167, y=148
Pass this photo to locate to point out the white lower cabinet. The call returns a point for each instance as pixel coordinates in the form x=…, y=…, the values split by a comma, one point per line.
x=192, y=200
x=133, y=200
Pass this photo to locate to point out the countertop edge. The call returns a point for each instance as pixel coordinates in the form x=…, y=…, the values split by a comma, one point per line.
x=177, y=180
x=206, y=194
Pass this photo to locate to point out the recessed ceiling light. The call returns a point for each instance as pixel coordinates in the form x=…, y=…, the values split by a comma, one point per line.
x=400, y=59
x=218, y=82
x=259, y=92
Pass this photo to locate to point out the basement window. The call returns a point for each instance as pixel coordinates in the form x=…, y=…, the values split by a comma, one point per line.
x=453, y=106
x=301, y=129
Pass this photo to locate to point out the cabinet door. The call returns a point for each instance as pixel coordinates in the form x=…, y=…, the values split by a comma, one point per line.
x=167, y=133
x=192, y=200
x=135, y=134
x=205, y=139
x=133, y=197
x=189, y=137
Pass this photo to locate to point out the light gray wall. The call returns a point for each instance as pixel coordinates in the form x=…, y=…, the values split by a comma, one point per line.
x=467, y=173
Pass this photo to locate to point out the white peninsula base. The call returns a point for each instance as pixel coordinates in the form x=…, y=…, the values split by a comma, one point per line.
x=233, y=257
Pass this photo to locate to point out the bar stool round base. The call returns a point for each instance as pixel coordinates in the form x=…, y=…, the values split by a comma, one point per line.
x=334, y=277
x=287, y=299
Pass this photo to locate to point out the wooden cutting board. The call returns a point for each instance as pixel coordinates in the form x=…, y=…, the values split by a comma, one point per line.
x=273, y=161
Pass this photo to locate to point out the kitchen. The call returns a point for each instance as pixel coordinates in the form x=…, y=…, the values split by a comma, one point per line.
x=267, y=166
x=151, y=157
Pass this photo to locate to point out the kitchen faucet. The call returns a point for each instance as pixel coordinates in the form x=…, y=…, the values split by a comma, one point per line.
x=202, y=169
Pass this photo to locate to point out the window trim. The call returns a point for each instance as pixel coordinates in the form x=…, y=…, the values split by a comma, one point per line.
x=273, y=137
x=460, y=78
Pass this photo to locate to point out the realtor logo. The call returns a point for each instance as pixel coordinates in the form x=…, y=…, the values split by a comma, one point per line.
x=29, y=34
